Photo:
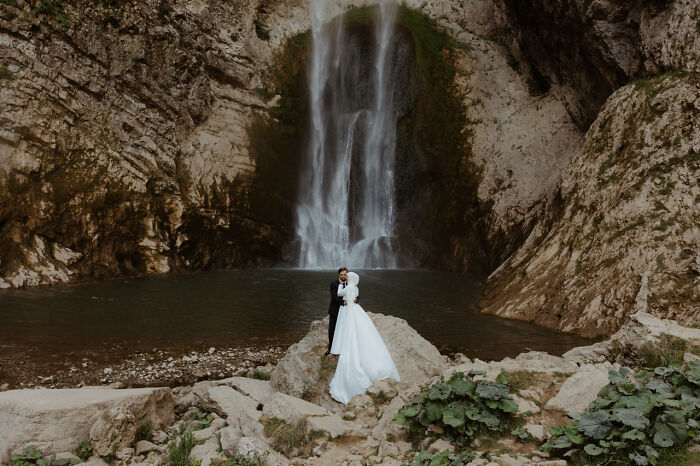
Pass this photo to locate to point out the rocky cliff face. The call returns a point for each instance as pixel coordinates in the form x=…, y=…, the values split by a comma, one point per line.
x=133, y=140
x=621, y=233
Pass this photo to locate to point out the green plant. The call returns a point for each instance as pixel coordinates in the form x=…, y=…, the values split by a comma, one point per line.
x=179, y=453
x=445, y=457
x=668, y=351
x=205, y=420
x=84, y=450
x=260, y=375
x=144, y=432
x=260, y=30
x=33, y=456
x=9, y=2
x=522, y=434
x=234, y=37
x=635, y=418
x=462, y=408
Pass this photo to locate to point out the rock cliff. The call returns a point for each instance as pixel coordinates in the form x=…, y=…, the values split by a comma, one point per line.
x=133, y=140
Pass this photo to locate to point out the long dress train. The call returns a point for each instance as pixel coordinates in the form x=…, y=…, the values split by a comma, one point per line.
x=364, y=358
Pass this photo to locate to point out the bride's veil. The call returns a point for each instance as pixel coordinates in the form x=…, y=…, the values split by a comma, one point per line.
x=354, y=278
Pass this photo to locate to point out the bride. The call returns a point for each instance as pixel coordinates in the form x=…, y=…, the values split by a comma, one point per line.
x=364, y=358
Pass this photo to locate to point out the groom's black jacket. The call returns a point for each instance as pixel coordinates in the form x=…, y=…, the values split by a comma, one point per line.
x=336, y=301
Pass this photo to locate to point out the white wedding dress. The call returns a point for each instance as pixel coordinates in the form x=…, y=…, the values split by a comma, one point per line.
x=364, y=357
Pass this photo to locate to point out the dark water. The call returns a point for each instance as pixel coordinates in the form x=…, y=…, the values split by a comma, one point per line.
x=255, y=307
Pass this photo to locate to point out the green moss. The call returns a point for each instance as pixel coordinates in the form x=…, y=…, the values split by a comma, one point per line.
x=6, y=74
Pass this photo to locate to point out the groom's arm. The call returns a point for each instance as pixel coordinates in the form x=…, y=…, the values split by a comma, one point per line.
x=334, y=295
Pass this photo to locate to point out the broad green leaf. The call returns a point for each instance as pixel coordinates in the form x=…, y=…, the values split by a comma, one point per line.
x=32, y=452
x=627, y=388
x=593, y=449
x=461, y=386
x=631, y=417
x=434, y=409
x=610, y=392
x=664, y=371
x=595, y=425
x=491, y=420
x=508, y=405
x=400, y=419
x=616, y=377
x=419, y=400
x=599, y=403
x=633, y=434
x=571, y=428
x=440, y=391
x=643, y=402
x=492, y=391
x=502, y=379
x=671, y=424
x=643, y=376
x=493, y=404
x=472, y=412
x=575, y=439
x=663, y=436
x=562, y=442
x=693, y=375
x=453, y=416
x=556, y=430
x=659, y=386
x=410, y=412
x=694, y=364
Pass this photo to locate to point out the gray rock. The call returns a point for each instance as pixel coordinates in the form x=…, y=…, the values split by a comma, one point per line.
x=536, y=430
x=112, y=431
x=259, y=390
x=206, y=452
x=580, y=389
x=64, y=417
x=144, y=446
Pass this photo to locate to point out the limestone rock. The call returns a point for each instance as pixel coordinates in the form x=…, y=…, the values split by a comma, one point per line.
x=206, y=452
x=386, y=424
x=64, y=417
x=297, y=373
x=144, y=446
x=240, y=411
x=113, y=430
x=259, y=390
x=291, y=409
x=251, y=446
x=580, y=389
x=536, y=430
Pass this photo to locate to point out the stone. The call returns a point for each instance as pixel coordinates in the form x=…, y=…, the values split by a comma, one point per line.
x=144, y=446
x=386, y=424
x=291, y=409
x=125, y=453
x=416, y=359
x=228, y=436
x=205, y=452
x=64, y=417
x=239, y=410
x=525, y=406
x=333, y=424
x=204, y=434
x=113, y=430
x=66, y=455
x=259, y=390
x=580, y=389
x=251, y=446
x=159, y=437
x=440, y=445
x=536, y=430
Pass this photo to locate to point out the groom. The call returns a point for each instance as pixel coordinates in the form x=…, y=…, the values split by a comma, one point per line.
x=336, y=302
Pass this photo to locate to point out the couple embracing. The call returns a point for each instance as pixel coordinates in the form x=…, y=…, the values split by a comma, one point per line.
x=364, y=357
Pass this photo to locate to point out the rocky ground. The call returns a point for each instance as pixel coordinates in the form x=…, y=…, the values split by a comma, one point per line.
x=158, y=367
x=290, y=419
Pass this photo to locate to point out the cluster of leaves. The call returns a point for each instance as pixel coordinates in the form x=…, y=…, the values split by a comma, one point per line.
x=261, y=375
x=634, y=418
x=205, y=420
x=179, y=454
x=84, y=450
x=33, y=456
x=462, y=407
x=443, y=458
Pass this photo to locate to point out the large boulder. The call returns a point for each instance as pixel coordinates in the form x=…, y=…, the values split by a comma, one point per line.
x=304, y=372
x=579, y=390
x=64, y=417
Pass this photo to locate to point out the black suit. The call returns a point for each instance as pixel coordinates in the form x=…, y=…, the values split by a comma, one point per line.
x=333, y=308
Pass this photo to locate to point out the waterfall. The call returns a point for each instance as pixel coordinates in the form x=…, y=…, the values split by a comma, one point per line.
x=346, y=208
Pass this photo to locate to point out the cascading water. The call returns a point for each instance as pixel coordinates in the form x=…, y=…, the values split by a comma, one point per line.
x=346, y=204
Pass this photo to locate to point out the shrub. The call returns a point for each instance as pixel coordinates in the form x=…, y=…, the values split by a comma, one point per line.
x=462, y=408
x=636, y=419
x=144, y=432
x=33, y=456
x=260, y=375
x=179, y=454
x=445, y=457
x=84, y=450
